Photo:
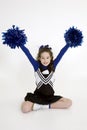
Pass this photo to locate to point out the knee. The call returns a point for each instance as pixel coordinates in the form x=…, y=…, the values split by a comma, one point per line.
x=26, y=106
x=68, y=103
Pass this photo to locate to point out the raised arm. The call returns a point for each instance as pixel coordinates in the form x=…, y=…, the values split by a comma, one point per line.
x=30, y=57
x=60, y=55
x=14, y=37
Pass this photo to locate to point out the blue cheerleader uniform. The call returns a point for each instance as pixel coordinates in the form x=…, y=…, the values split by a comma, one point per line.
x=44, y=92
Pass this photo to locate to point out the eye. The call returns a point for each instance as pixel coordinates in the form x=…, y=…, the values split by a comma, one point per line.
x=48, y=57
x=42, y=57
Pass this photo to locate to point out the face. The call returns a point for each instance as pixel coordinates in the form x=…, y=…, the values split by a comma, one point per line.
x=45, y=58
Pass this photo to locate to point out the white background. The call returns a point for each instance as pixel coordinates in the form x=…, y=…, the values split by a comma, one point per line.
x=45, y=22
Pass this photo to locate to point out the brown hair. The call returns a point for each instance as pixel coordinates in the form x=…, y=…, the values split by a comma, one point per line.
x=46, y=49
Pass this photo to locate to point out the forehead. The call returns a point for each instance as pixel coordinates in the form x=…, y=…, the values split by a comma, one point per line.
x=43, y=54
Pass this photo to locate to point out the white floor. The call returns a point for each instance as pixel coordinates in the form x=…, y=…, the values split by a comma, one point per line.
x=74, y=118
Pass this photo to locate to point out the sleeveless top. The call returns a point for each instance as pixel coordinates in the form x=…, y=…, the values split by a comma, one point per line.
x=44, y=77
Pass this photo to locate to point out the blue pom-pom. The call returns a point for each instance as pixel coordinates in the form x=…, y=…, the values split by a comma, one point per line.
x=73, y=37
x=14, y=37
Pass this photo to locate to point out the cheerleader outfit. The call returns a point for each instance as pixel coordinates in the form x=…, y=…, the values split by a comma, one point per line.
x=44, y=92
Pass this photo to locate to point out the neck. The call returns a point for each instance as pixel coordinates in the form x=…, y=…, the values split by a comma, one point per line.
x=43, y=67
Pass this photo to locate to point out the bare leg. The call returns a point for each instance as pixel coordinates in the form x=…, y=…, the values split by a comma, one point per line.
x=27, y=106
x=61, y=104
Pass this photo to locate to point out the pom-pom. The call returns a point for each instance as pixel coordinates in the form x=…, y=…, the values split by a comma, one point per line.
x=14, y=37
x=73, y=37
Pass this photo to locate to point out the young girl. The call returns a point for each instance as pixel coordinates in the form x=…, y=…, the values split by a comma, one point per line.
x=44, y=67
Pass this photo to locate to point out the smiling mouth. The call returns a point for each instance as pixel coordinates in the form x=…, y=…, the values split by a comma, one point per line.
x=45, y=63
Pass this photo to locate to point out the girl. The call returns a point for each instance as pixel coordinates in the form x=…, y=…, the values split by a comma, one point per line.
x=44, y=67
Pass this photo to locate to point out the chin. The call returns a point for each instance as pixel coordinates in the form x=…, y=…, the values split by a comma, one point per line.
x=45, y=64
